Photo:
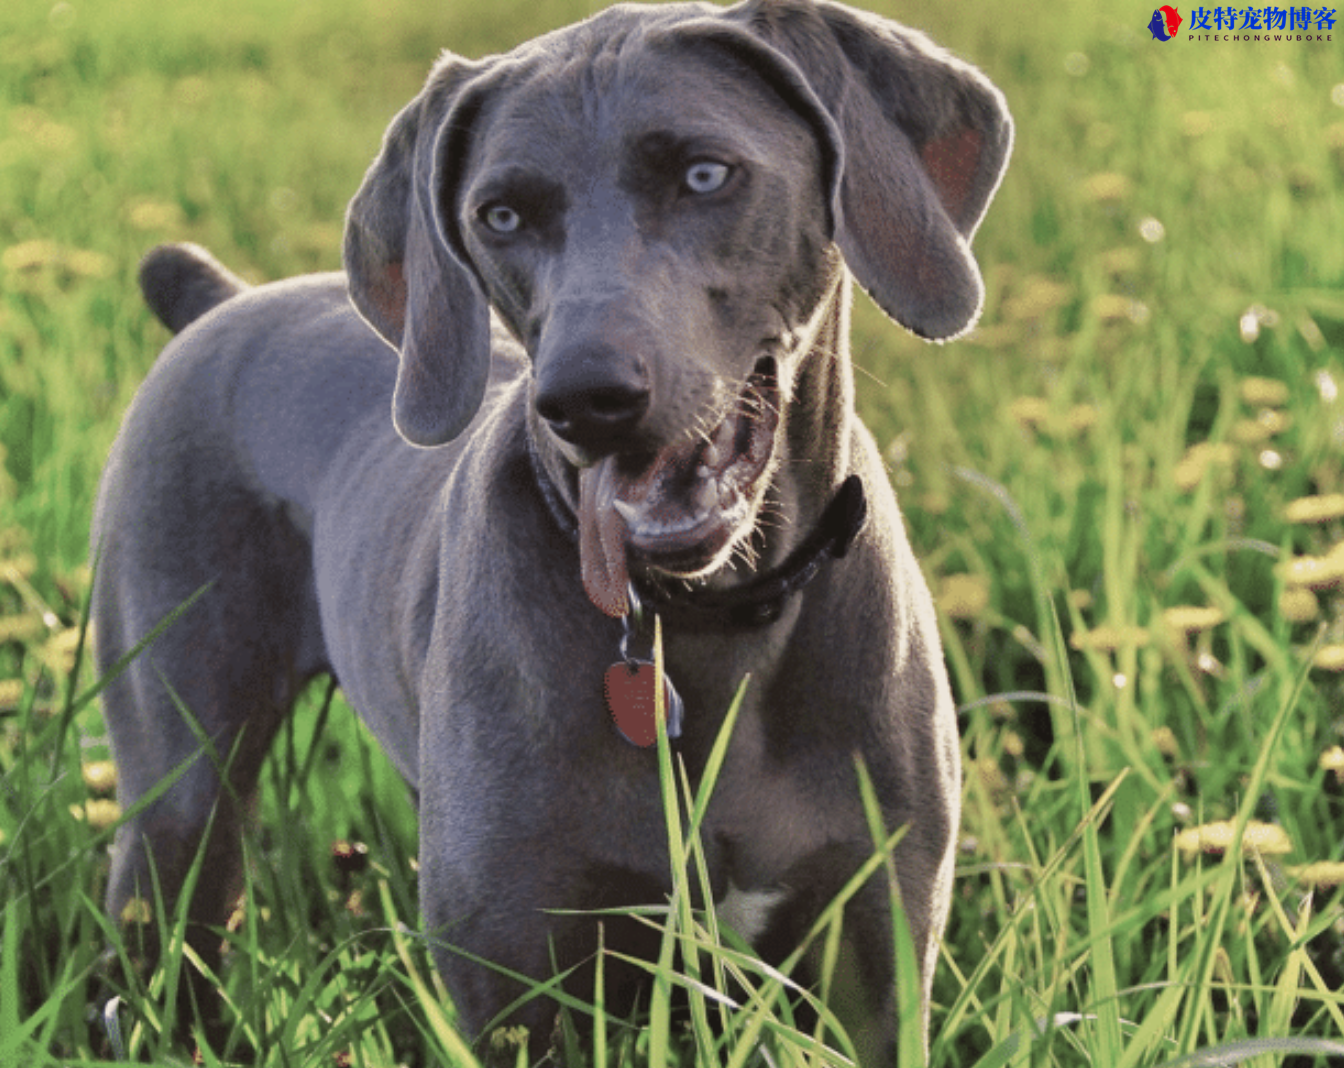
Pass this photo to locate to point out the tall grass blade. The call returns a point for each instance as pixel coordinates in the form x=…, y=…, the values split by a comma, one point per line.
x=1236, y=1053
x=660, y=1005
x=909, y=987
x=1105, y=990
x=1234, y=856
x=444, y=1033
x=117, y=669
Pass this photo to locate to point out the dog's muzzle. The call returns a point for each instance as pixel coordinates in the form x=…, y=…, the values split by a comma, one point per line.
x=682, y=510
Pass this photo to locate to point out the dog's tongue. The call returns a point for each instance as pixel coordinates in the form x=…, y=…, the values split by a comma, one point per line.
x=602, y=555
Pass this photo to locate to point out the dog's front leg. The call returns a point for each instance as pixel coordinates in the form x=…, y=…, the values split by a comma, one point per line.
x=530, y=819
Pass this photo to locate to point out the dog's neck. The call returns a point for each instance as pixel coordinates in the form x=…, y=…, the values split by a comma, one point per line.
x=818, y=409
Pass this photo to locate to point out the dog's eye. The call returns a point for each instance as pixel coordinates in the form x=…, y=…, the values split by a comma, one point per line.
x=501, y=218
x=707, y=176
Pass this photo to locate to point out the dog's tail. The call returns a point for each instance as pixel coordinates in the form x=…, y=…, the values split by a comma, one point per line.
x=182, y=282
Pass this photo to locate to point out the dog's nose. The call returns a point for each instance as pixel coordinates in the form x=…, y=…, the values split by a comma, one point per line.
x=593, y=397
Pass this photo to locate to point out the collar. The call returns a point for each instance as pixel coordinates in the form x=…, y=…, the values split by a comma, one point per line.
x=755, y=603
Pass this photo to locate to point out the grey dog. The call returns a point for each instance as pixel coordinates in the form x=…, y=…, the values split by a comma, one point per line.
x=589, y=355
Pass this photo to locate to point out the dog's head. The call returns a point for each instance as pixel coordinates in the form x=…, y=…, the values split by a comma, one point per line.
x=652, y=201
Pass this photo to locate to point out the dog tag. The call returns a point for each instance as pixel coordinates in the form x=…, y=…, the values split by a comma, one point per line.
x=629, y=689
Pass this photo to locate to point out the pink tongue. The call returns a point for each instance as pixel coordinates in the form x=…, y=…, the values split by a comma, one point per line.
x=602, y=559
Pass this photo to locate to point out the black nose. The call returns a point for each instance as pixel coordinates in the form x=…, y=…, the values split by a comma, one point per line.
x=593, y=397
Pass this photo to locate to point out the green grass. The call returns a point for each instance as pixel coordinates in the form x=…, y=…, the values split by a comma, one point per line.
x=1170, y=230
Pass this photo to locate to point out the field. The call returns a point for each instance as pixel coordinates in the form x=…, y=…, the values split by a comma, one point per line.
x=1126, y=489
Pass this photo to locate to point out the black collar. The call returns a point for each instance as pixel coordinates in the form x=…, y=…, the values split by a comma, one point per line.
x=758, y=601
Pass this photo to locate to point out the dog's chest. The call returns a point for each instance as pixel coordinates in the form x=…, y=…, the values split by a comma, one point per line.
x=767, y=815
x=748, y=912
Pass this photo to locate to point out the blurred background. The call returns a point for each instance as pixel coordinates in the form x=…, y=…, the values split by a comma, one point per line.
x=1124, y=487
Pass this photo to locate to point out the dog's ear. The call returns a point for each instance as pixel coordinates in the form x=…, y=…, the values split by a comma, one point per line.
x=407, y=282
x=923, y=141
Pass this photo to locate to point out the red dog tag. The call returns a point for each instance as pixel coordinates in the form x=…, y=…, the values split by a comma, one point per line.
x=629, y=689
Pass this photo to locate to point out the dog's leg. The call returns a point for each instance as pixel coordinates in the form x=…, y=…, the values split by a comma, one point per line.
x=860, y=982
x=192, y=715
x=539, y=941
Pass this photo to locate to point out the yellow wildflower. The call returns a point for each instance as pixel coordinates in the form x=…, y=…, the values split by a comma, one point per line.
x=1035, y=413
x=1121, y=261
x=1192, y=468
x=1320, y=875
x=155, y=215
x=31, y=255
x=11, y=692
x=1218, y=838
x=1329, y=658
x=964, y=596
x=1274, y=420
x=1112, y=307
x=1319, y=509
x=59, y=650
x=100, y=776
x=24, y=628
x=1264, y=392
x=137, y=910
x=1030, y=411
x=1164, y=741
x=100, y=813
x=992, y=778
x=22, y=564
x=934, y=502
x=1251, y=432
x=43, y=131
x=1190, y=619
x=1038, y=296
x=86, y=263
x=1106, y=187
x=1298, y=604
x=1107, y=638
x=1316, y=572
x=1267, y=423
x=1080, y=417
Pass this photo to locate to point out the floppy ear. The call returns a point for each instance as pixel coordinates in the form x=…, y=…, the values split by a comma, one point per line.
x=924, y=139
x=407, y=282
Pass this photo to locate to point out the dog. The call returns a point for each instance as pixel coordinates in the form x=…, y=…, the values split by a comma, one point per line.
x=587, y=365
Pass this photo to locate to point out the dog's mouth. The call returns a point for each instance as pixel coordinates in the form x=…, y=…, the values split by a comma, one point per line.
x=682, y=510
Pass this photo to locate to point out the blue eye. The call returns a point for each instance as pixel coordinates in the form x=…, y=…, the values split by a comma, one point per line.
x=706, y=176
x=501, y=218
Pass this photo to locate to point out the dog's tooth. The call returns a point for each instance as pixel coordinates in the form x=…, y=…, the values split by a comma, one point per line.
x=627, y=511
x=712, y=457
x=706, y=493
x=659, y=528
x=724, y=435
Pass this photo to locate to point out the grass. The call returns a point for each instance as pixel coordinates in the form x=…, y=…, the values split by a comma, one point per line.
x=1144, y=637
